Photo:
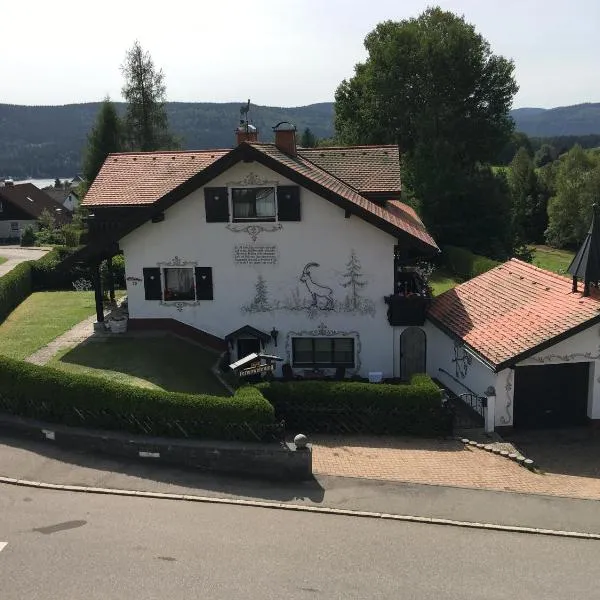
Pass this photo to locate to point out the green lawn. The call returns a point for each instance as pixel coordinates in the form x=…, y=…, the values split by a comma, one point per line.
x=164, y=362
x=41, y=318
x=3, y=259
x=552, y=259
x=441, y=281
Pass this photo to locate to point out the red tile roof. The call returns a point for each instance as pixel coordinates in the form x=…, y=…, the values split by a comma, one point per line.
x=143, y=178
x=136, y=178
x=365, y=168
x=513, y=311
x=400, y=215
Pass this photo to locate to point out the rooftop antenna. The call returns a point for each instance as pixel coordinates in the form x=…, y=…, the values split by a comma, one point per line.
x=244, y=110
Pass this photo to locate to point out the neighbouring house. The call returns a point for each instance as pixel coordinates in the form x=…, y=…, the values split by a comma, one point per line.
x=306, y=254
x=527, y=338
x=22, y=205
x=68, y=198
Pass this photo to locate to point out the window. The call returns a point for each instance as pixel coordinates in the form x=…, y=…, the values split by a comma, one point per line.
x=323, y=352
x=179, y=284
x=253, y=204
x=1, y=206
x=14, y=226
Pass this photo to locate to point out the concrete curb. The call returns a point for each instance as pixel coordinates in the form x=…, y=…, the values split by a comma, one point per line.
x=301, y=508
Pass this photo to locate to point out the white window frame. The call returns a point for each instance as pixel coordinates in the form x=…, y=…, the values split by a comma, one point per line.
x=241, y=186
x=13, y=228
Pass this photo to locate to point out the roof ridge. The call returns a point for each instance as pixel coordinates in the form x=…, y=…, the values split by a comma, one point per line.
x=533, y=267
x=155, y=152
x=319, y=148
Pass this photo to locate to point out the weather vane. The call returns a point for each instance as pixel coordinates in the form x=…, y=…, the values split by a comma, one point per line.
x=244, y=110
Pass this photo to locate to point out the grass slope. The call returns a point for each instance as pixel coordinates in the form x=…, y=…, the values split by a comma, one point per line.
x=164, y=363
x=441, y=281
x=3, y=259
x=552, y=259
x=41, y=318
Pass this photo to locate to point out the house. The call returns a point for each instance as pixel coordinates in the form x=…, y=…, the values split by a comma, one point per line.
x=306, y=254
x=526, y=338
x=67, y=197
x=22, y=205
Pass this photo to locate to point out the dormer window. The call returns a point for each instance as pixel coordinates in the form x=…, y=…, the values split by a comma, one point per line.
x=253, y=204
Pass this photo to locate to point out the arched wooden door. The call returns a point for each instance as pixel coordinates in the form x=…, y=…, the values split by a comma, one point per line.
x=413, y=352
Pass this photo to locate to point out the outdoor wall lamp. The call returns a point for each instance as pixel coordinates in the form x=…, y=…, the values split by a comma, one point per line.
x=274, y=334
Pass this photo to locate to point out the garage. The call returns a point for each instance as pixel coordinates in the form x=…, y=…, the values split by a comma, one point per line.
x=551, y=395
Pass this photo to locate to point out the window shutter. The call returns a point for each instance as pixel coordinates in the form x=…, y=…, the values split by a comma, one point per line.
x=204, y=283
x=288, y=202
x=216, y=203
x=152, y=285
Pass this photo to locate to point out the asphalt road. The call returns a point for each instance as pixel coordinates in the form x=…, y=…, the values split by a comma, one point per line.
x=73, y=546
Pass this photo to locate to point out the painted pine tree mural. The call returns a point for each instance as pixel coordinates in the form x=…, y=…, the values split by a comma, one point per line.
x=354, y=282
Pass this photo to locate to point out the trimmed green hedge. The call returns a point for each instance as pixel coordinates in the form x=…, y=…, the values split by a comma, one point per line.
x=414, y=408
x=48, y=274
x=15, y=286
x=464, y=263
x=79, y=400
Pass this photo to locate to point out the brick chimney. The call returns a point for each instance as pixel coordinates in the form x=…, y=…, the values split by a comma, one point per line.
x=285, y=137
x=246, y=133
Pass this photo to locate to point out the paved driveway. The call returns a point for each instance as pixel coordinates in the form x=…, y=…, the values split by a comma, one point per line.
x=569, y=469
x=573, y=452
x=16, y=255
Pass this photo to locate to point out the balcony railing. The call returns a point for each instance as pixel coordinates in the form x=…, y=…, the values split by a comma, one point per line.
x=407, y=310
x=411, y=298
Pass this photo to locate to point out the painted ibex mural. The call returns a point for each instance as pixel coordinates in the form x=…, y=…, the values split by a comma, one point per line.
x=321, y=294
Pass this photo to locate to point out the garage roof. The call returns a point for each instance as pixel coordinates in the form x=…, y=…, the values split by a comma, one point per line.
x=514, y=311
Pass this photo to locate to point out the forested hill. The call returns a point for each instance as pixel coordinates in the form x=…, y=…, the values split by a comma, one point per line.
x=47, y=141
x=580, y=119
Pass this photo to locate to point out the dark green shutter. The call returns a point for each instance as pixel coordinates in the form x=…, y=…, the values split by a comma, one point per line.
x=152, y=286
x=288, y=202
x=216, y=203
x=204, y=283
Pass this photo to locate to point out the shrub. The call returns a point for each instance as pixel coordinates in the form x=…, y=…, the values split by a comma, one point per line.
x=464, y=263
x=71, y=235
x=354, y=407
x=48, y=274
x=118, y=268
x=15, y=286
x=79, y=400
x=28, y=237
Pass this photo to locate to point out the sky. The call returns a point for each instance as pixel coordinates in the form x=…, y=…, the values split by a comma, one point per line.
x=276, y=52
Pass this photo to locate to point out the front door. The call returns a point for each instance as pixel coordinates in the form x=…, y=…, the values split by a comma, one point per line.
x=247, y=346
x=413, y=346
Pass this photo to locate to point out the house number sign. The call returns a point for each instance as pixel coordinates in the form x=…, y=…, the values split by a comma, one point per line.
x=246, y=254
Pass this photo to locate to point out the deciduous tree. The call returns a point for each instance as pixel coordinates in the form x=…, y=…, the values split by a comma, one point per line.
x=433, y=86
x=577, y=188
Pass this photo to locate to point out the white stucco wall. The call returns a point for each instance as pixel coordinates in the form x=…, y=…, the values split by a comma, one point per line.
x=7, y=232
x=458, y=369
x=71, y=202
x=323, y=236
x=582, y=347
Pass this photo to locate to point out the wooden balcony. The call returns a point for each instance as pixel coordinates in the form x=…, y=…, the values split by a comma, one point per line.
x=406, y=310
x=411, y=298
